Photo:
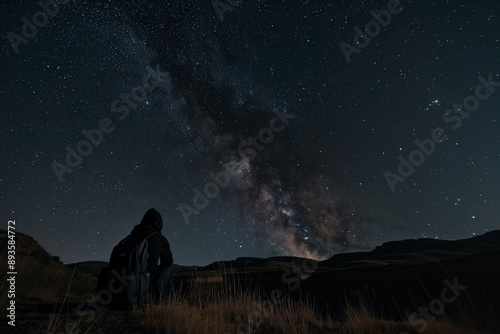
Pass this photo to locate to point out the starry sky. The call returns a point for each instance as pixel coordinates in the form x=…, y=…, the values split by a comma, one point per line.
x=226, y=73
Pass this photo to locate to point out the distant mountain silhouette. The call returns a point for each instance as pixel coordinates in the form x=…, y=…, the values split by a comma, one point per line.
x=92, y=268
x=28, y=246
x=423, y=249
x=401, y=275
x=412, y=272
x=410, y=251
x=43, y=276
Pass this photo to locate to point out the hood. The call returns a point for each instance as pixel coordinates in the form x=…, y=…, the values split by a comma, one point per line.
x=152, y=218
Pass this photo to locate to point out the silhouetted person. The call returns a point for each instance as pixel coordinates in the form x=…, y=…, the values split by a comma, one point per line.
x=159, y=248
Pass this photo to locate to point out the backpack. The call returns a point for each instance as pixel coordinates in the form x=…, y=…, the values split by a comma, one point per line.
x=126, y=281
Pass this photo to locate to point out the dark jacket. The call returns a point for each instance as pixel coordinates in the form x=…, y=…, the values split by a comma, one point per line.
x=159, y=248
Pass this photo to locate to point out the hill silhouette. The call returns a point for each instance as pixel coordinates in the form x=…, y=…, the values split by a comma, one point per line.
x=396, y=279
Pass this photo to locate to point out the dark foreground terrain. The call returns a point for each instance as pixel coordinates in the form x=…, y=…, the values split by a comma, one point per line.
x=413, y=286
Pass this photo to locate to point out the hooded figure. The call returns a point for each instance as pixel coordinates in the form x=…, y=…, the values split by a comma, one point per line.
x=159, y=249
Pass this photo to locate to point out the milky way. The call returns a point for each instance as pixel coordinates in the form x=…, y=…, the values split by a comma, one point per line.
x=264, y=91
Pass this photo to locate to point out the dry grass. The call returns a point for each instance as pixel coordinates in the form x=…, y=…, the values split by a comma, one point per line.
x=216, y=304
x=225, y=308
x=360, y=317
x=219, y=308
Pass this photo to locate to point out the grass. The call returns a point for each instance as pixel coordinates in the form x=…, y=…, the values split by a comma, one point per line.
x=220, y=307
x=215, y=304
x=212, y=305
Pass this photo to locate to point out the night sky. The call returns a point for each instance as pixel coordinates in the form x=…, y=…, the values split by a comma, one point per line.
x=221, y=82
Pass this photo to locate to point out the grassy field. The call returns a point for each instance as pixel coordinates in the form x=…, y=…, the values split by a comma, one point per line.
x=209, y=305
x=52, y=298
